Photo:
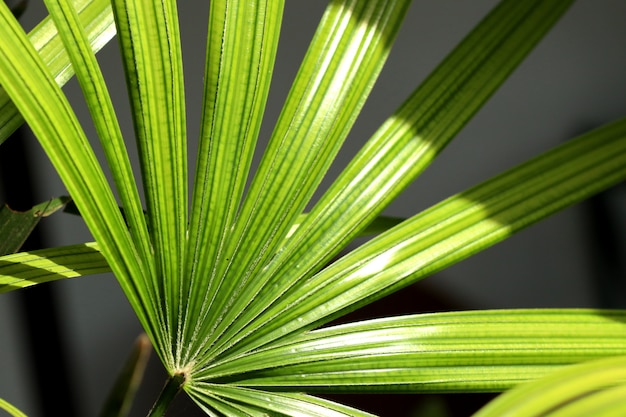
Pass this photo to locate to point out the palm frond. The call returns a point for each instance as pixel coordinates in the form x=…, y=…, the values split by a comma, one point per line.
x=231, y=289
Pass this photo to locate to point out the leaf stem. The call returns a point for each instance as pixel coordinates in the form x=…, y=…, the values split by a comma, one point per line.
x=172, y=387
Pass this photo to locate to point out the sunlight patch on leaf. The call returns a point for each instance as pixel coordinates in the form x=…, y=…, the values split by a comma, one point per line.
x=24, y=269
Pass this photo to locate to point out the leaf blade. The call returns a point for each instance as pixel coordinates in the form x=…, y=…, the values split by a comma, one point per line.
x=470, y=351
x=241, y=50
x=27, y=81
x=384, y=165
x=100, y=106
x=287, y=404
x=151, y=51
x=406, y=144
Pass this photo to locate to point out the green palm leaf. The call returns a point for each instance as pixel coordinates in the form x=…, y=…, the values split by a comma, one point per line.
x=445, y=352
x=403, y=147
x=288, y=404
x=342, y=63
x=444, y=234
x=39, y=99
x=15, y=227
x=150, y=44
x=411, y=138
x=101, y=109
x=232, y=114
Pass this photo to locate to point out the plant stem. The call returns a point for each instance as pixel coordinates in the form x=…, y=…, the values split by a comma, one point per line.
x=172, y=387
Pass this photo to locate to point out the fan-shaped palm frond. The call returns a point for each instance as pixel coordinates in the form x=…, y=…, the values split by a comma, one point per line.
x=232, y=287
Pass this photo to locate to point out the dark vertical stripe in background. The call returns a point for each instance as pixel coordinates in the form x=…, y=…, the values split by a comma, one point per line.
x=38, y=309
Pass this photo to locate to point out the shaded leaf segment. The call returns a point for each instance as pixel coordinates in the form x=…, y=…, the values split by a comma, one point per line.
x=16, y=226
x=123, y=392
x=467, y=351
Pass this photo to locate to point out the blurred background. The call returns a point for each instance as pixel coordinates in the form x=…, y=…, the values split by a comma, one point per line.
x=574, y=81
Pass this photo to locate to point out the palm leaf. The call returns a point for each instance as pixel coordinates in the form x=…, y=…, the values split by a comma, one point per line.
x=444, y=234
x=261, y=403
x=444, y=352
x=231, y=298
x=343, y=61
x=237, y=51
x=150, y=44
x=411, y=138
x=101, y=109
x=43, y=105
x=402, y=148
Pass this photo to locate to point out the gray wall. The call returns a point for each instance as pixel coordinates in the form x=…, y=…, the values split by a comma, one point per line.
x=574, y=80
